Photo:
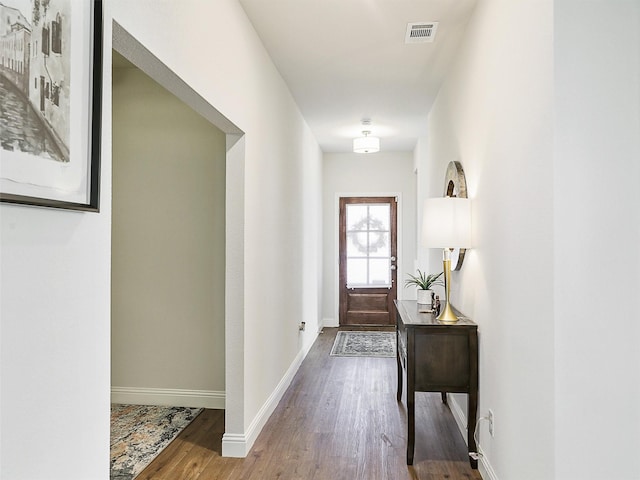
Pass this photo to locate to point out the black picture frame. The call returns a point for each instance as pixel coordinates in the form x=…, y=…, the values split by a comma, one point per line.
x=92, y=154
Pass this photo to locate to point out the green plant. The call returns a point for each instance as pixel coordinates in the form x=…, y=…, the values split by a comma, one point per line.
x=424, y=281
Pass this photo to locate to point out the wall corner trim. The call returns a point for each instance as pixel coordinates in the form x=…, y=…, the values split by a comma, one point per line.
x=235, y=445
x=239, y=445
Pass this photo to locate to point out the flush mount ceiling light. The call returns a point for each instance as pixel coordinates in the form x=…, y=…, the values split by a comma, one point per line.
x=366, y=144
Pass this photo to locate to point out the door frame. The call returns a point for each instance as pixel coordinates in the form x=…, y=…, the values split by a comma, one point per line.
x=336, y=246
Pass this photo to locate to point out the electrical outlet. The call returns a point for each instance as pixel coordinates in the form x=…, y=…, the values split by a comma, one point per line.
x=491, y=424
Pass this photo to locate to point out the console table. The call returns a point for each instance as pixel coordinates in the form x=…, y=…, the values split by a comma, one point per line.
x=436, y=358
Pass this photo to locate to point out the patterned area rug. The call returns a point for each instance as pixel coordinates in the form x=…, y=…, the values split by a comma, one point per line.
x=364, y=344
x=140, y=432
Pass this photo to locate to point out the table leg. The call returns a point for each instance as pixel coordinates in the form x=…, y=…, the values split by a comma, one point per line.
x=399, y=394
x=472, y=402
x=411, y=424
x=472, y=408
x=443, y=395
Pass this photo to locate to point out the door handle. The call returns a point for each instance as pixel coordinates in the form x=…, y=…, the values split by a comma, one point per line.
x=392, y=267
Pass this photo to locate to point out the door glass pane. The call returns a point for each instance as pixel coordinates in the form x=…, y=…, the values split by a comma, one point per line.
x=368, y=244
x=357, y=218
x=379, y=245
x=356, y=271
x=379, y=271
x=379, y=217
x=357, y=244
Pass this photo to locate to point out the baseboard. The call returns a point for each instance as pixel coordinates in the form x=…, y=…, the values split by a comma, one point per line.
x=235, y=445
x=458, y=416
x=239, y=445
x=168, y=396
x=484, y=466
x=330, y=323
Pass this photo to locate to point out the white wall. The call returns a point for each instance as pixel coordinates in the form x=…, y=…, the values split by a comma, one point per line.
x=168, y=249
x=549, y=135
x=55, y=341
x=352, y=174
x=597, y=233
x=494, y=115
x=55, y=265
x=54, y=319
x=313, y=247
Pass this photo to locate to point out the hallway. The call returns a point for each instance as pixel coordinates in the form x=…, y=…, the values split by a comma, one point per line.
x=338, y=420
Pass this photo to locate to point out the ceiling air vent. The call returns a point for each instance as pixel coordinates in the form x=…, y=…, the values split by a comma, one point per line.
x=421, y=32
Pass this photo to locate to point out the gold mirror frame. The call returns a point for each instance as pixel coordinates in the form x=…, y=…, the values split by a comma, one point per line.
x=455, y=185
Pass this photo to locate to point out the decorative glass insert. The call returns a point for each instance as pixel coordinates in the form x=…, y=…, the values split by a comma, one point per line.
x=368, y=245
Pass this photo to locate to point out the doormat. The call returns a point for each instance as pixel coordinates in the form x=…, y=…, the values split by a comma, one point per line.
x=364, y=344
x=140, y=432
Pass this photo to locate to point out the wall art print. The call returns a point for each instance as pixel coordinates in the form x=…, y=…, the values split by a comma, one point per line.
x=50, y=102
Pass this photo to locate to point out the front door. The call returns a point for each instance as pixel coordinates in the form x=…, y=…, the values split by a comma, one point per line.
x=368, y=253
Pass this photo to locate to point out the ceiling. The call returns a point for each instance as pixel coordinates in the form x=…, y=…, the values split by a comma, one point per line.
x=346, y=60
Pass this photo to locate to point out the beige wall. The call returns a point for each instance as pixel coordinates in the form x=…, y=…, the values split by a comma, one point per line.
x=168, y=247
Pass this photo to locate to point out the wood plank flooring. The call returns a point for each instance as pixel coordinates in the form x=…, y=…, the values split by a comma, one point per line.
x=339, y=420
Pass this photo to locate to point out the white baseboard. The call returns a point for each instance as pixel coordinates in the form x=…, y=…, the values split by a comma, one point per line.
x=330, y=322
x=235, y=445
x=484, y=466
x=168, y=396
x=239, y=445
x=459, y=416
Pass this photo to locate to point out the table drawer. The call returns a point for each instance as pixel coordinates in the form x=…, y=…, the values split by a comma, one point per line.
x=444, y=361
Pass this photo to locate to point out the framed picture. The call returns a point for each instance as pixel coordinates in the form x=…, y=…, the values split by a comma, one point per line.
x=50, y=102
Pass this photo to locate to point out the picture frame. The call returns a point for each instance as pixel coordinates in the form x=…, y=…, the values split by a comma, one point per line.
x=51, y=103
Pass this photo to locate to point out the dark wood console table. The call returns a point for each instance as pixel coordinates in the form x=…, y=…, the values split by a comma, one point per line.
x=436, y=358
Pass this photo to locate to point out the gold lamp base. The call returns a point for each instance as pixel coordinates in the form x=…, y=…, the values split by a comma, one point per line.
x=447, y=316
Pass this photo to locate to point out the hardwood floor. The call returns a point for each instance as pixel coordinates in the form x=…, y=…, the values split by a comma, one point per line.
x=339, y=420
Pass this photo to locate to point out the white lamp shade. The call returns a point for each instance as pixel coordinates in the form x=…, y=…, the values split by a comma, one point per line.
x=366, y=145
x=446, y=223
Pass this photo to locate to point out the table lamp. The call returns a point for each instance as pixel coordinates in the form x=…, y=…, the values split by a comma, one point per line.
x=446, y=224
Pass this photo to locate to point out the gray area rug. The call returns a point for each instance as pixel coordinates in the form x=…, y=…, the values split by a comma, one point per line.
x=140, y=432
x=364, y=344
